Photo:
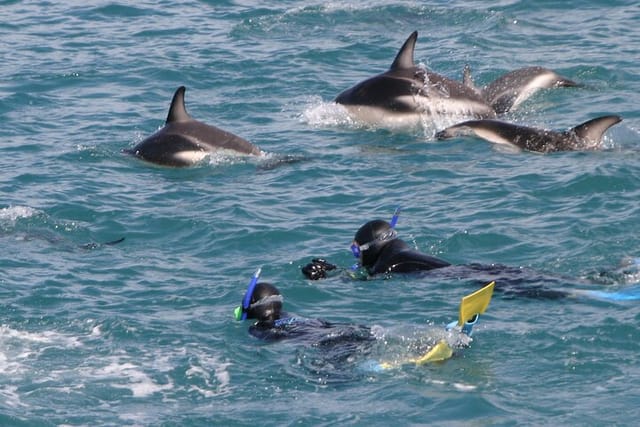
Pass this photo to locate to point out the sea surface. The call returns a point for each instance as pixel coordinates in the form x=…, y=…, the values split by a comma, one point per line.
x=140, y=332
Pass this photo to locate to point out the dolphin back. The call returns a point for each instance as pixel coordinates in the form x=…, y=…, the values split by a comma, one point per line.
x=381, y=91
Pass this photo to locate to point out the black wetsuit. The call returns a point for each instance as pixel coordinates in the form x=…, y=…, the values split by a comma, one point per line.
x=511, y=282
x=317, y=331
x=396, y=256
x=332, y=351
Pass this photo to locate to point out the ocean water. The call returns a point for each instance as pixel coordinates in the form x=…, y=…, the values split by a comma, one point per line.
x=141, y=332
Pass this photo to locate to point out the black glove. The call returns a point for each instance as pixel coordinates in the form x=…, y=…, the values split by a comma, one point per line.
x=317, y=269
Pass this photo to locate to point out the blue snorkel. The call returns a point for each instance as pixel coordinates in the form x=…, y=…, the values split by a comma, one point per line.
x=394, y=218
x=240, y=312
x=356, y=249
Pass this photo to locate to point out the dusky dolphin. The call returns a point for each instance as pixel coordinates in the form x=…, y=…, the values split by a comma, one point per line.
x=184, y=141
x=407, y=94
x=586, y=136
x=512, y=89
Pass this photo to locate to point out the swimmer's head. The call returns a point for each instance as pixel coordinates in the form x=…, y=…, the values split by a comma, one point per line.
x=370, y=239
x=262, y=302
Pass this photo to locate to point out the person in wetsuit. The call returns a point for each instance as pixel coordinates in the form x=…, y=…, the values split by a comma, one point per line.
x=336, y=349
x=263, y=302
x=380, y=251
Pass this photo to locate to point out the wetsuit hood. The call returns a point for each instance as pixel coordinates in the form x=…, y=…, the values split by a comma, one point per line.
x=266, y=303
x=375, y=235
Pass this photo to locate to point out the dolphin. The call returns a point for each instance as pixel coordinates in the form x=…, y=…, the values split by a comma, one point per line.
x=512, y=89
x=184, y=141
x=586, y=136
x=407, y=94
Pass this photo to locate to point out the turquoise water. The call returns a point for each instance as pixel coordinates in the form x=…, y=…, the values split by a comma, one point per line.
x=141, y=332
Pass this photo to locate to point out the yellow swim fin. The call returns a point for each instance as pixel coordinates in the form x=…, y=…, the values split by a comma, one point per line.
x=471, y=306
x=475, y=303
x=439, y=352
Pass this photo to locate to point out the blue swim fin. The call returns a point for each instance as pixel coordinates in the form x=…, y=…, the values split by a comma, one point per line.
x=628, y=294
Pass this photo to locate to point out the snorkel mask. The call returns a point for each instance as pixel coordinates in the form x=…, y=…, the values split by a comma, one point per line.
x=391, y=234
x=240, y=312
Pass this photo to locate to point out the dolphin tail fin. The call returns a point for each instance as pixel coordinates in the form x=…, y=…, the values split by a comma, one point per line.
x=404, y=58
x=177, y=111
x=592, y=130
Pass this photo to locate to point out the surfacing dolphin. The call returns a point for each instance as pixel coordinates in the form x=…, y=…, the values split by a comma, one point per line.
x=584, y=137
x=184, y=141
x=513, y=88
x=407, y=94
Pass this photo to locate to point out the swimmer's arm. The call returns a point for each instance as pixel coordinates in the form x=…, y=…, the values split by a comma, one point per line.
x=319, y=268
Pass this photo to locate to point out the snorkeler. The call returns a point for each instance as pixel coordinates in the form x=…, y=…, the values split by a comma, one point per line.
x=379, y=250
x=263, y=302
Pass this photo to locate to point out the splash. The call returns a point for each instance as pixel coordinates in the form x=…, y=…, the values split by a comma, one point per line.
x=401, y=346
x=321, y=114
x=207, y=375
x=18, y=348
x=224, y=158
x=13, y=213
x=627, y=272
x=127, y=375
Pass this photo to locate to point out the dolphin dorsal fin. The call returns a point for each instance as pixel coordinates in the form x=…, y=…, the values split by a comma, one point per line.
x=404, y=58
x=177, y=111
x=593, y=129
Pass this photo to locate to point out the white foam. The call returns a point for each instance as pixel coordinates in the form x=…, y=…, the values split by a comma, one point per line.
x=10, y=396
x=216, y=384
x=19, y=348
x=226, y=157
x=464, y=387
x=45, y=337
x=142, y=374
x=124, y=374
x=96, y=331
x=326, y=114
x=13, y=213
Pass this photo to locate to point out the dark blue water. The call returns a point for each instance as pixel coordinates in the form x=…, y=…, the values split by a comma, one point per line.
x=141, y=332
